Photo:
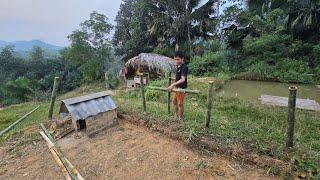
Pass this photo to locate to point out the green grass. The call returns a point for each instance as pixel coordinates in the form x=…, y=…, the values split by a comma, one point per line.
x=28, y=129
x=235, y=122
x=239, y=123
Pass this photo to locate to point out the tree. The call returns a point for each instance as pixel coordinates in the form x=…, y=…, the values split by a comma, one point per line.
x=18, y=90
x=143, y=25
x=11, y=66
x=178, y=22
x=131, y=35
x=303, y=19
x=90, y=48
x=36, y=54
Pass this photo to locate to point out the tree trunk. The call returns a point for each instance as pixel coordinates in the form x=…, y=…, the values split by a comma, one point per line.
x=189, y=40
x=177, y=46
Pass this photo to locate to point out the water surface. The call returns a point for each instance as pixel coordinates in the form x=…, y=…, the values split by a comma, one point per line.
x=252, y=90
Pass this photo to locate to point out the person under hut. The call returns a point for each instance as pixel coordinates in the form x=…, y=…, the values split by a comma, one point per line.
x=181, y=82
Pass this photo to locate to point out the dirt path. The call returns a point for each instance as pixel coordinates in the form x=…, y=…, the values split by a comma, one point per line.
x=124, y=152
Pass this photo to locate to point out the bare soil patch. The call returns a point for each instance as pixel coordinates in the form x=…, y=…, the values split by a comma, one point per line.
x=125, y=151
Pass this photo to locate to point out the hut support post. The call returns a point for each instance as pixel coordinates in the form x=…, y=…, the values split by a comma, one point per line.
x=53, y=96
x=291, y=115
x=142, y=93
x=106, y=77
x=209, y=103
x=169, y=93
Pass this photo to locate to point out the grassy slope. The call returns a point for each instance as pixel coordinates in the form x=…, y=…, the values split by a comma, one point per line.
x=259, y=128
x=27, y=129
x=237, y=123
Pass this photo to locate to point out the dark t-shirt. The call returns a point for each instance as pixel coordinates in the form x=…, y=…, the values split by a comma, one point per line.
x=182, y=70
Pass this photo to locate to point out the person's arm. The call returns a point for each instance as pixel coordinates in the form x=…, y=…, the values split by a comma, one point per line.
x=184, y=75
x=182, y=80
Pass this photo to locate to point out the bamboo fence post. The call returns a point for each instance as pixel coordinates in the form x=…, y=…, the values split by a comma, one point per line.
x=53, y=96
x=209, y=104
x=291, y=115
x=169, y=93
x=142, y=93
x=18, y=121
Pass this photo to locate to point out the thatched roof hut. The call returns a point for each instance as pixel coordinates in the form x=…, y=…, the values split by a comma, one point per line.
x=154, y=62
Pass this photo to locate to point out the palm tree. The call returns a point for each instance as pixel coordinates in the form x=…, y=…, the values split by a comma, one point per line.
x=174, y=19
x=303, y=18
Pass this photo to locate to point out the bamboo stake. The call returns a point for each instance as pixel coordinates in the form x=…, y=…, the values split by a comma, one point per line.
x=174, y=90
x=53, y=96
x=142, y=93
x=169, y=93
x=209, y=103
x=18, y=121
x=55, y=156
x=291, y=115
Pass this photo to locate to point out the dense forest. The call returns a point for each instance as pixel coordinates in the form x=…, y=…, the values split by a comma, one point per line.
x=270, y=40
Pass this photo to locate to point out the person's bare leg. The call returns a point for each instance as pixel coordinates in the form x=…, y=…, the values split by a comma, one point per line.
x=181, y=111
x=176, y=110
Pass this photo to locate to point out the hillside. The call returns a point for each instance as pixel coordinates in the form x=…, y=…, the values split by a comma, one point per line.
x=23, y=47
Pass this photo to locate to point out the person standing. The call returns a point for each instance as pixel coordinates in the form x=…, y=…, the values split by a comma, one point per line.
x=181, y=83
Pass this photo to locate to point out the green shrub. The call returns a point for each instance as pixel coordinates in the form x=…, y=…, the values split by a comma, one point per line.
x=288, y=70
x=214, y=46
x=266, y=43
x=260, y=71
x=19, y=90
x=209, y=64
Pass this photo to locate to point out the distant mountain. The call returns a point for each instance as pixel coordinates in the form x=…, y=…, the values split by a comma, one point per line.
x=23, y=47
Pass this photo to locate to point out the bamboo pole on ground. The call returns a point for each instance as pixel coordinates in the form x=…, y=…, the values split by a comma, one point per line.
x=209, y=103
x=142, y=93
x=174, y=90
x=18, y=121
x=291, y=115
x=169, y=93
x=55, y=156
x=53, y=96
x=64, y=160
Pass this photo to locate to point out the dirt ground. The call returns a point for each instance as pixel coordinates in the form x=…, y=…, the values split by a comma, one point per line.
x=123, y=152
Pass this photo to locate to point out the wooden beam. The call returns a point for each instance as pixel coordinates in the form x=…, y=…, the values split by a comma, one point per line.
x=174, y=90
x=18, y=121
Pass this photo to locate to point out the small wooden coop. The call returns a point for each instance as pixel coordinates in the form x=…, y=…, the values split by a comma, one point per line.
x=93, y=112
x=151, y=65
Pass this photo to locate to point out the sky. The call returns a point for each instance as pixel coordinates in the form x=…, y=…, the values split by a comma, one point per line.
x=49, y=20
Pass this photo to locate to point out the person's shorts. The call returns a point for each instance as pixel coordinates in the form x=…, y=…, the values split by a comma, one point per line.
x=179, y=98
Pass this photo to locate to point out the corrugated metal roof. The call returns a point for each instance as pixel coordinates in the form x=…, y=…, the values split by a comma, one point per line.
x=86, y=97
x=89, y=105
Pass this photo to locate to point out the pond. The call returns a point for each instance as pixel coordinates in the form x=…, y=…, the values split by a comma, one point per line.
x=252, y=90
